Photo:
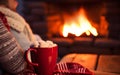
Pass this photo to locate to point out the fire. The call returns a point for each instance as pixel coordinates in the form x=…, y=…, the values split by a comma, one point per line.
x=79, y=26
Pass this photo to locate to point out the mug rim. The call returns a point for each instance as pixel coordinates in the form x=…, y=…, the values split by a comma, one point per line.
x=45, y=47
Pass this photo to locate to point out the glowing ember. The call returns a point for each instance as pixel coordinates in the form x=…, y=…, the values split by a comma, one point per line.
x=79, y=26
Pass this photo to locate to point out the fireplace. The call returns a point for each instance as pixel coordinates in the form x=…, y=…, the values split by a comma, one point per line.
x=47, y=18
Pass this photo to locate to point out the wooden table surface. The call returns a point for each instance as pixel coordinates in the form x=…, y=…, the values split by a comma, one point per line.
x=99, y=64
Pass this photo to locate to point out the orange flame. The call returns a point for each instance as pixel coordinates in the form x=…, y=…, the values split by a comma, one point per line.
x=82, y=25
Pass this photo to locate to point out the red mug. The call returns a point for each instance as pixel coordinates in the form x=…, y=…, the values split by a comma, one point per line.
x=43, y=59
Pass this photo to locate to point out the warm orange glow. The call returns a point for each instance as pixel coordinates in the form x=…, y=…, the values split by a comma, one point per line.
x=79, y=26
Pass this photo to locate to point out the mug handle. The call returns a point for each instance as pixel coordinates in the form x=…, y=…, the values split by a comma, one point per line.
x=27, y=58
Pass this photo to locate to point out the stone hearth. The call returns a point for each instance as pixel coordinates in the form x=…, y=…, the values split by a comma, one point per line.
x=87, y=45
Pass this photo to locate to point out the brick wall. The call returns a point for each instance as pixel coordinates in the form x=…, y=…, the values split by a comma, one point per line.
x=35, y=15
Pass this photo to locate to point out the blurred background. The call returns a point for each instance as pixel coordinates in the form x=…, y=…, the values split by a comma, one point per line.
x=101, y=35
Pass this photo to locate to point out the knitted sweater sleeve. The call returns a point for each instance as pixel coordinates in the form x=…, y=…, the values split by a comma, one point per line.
x=11, y=54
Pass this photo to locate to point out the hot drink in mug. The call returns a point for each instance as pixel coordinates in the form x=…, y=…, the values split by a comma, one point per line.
x=43, y=58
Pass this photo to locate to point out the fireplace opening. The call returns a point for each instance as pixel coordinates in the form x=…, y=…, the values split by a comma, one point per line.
x=77, y=20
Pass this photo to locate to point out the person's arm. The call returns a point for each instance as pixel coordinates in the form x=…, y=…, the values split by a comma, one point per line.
x=11, y=54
